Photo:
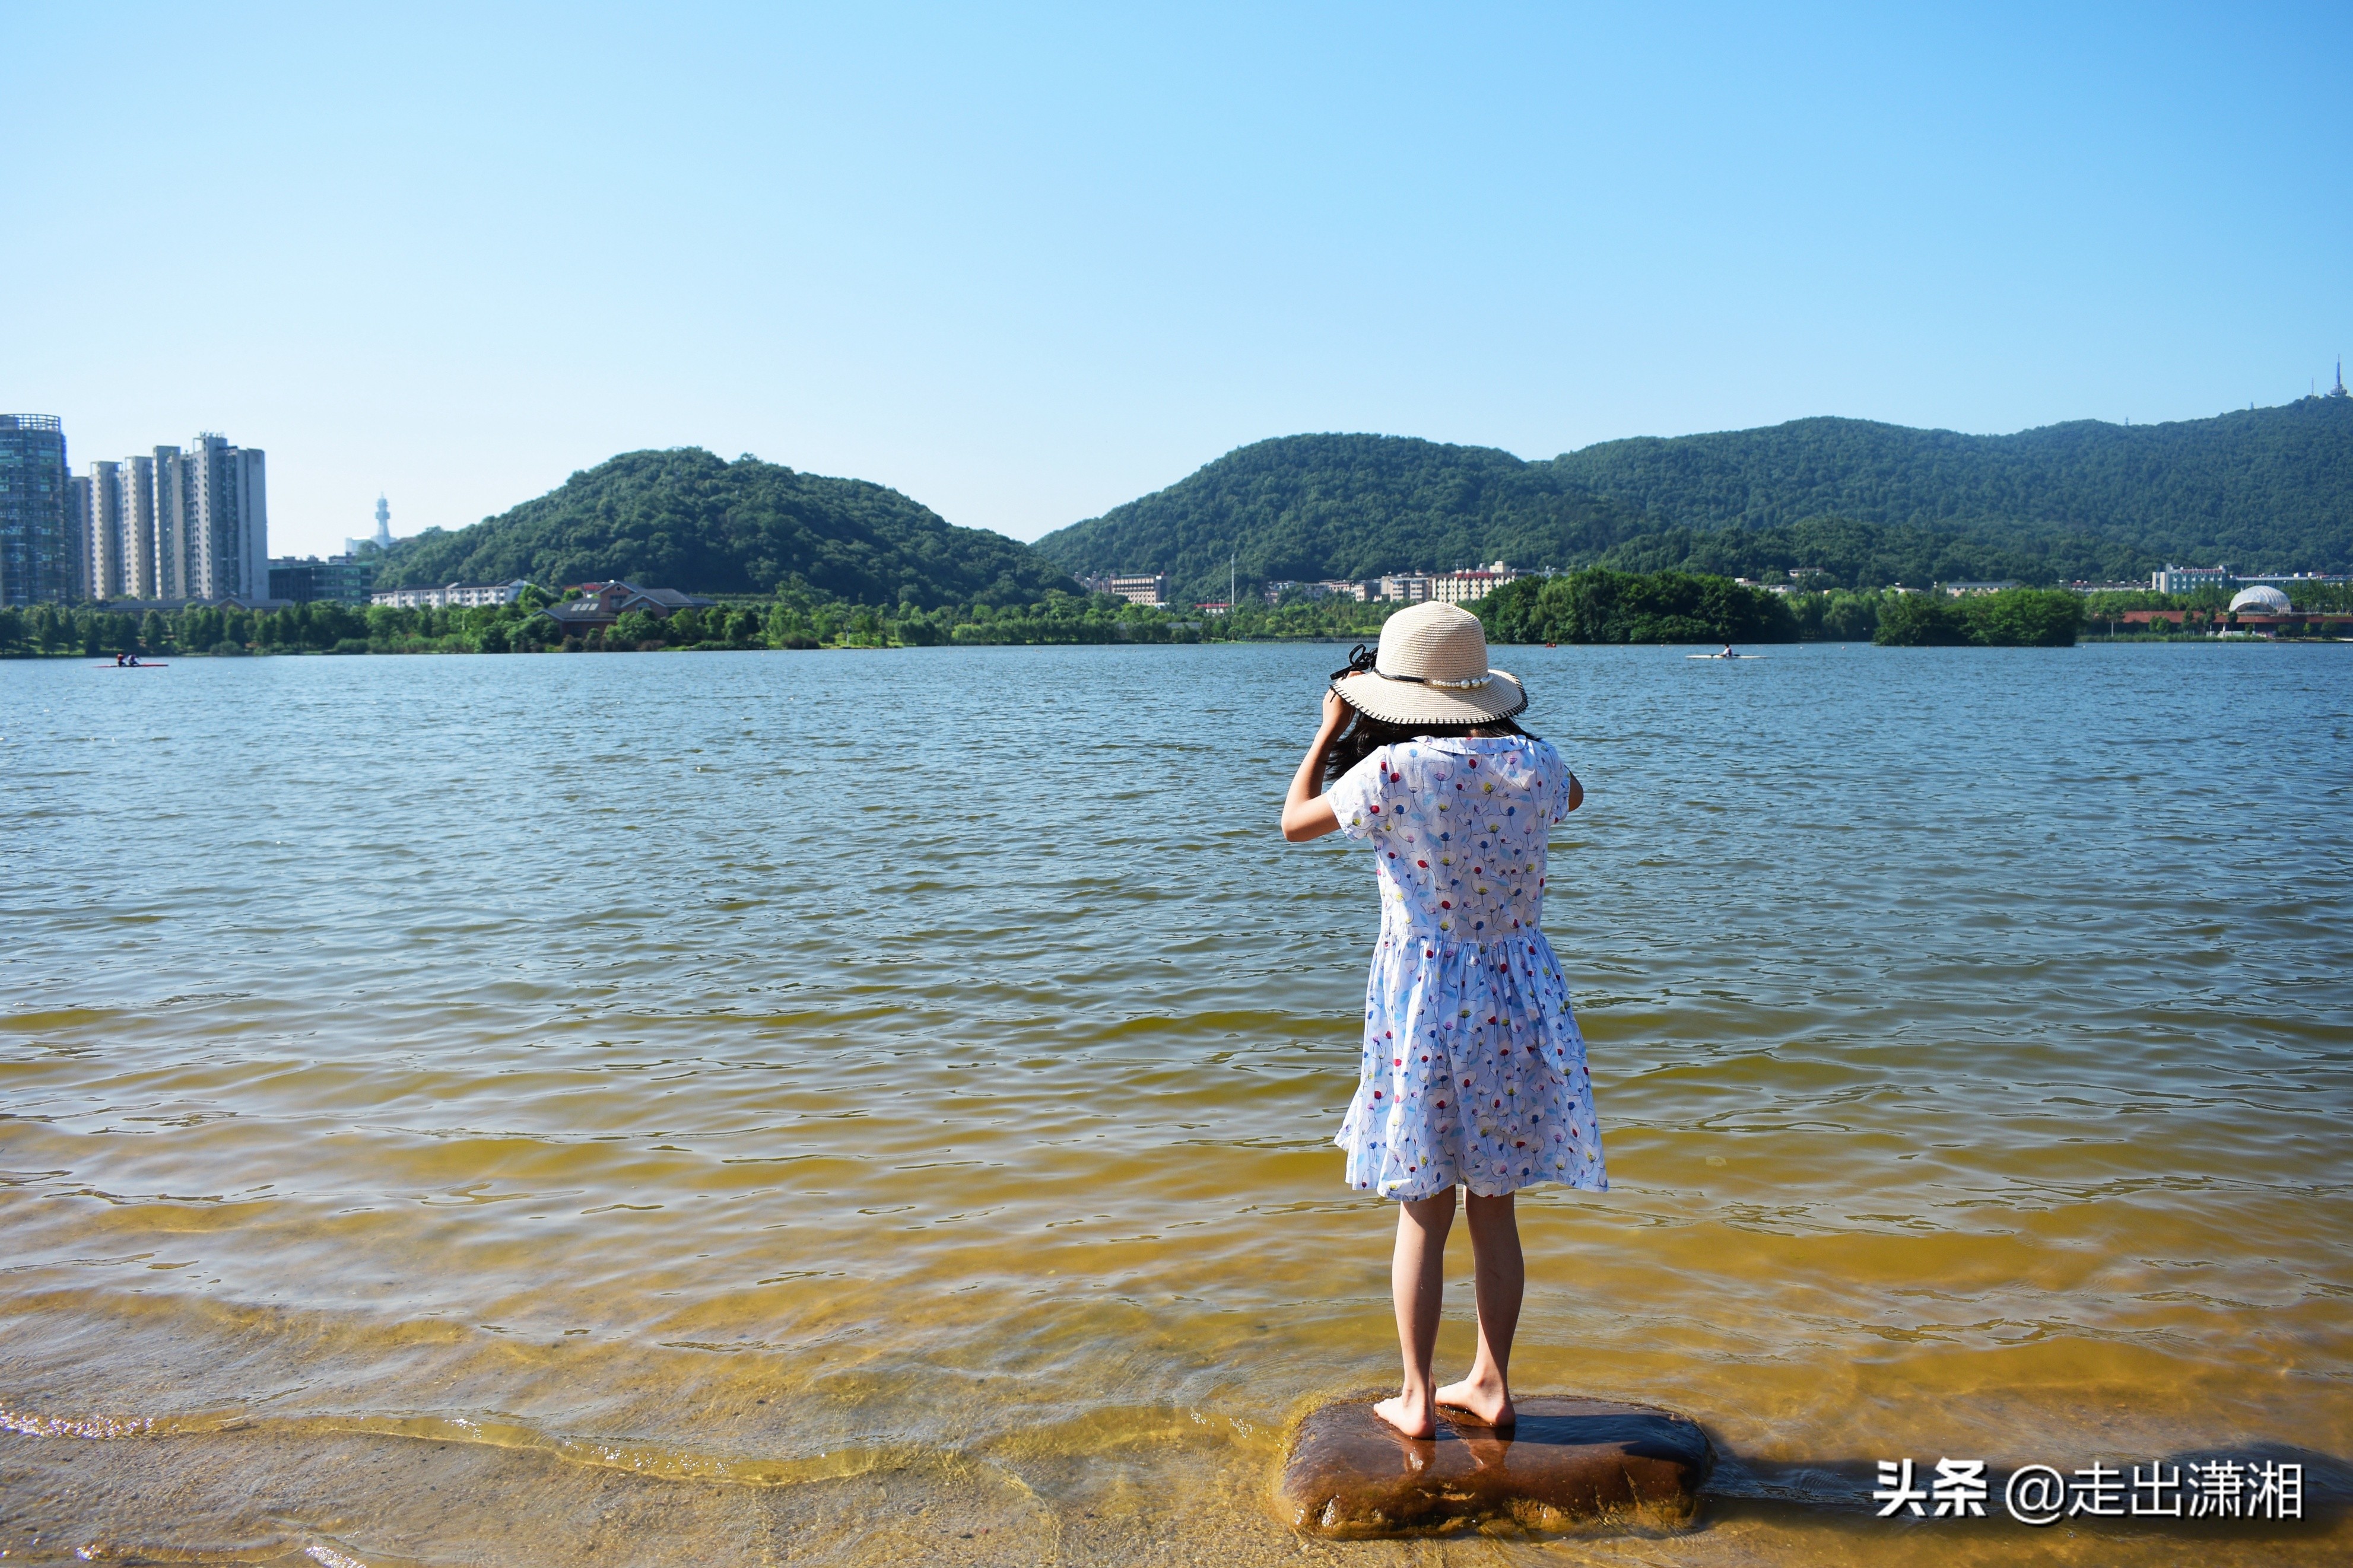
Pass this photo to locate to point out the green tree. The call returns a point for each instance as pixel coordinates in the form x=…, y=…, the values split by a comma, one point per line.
x=2016, y=617
x=2024, y=618
x=1920, y=620
x=388, y=624
x=1598, y=605
x=633, y=629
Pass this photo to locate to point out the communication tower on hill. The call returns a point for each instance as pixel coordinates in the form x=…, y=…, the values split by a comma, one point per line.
x=383, y=538
x=2339, y=389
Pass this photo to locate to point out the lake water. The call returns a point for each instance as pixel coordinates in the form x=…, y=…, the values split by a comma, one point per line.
x=844, y=1108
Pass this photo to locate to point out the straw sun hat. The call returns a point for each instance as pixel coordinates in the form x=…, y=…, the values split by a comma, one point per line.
x=1431, y=670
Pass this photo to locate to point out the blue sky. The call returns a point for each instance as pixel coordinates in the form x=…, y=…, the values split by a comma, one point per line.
x=1025, y=263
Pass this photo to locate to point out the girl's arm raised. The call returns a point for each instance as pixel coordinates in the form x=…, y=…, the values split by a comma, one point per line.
x=1305, y=813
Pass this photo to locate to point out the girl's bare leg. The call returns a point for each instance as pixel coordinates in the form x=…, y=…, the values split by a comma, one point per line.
x=1501, y=1278
x=1417, y=1276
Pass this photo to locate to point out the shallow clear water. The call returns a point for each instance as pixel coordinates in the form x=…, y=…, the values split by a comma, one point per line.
x=854, y=1107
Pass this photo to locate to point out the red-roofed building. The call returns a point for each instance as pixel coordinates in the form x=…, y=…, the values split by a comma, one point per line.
x=602, y=604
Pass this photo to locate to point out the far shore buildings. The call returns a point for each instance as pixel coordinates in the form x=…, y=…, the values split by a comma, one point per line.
x=176, y=525
x=2264, y=620
x=380, y=540
x=350, y=578
x=36, y=543
x=1463, y=586
x=1329, y=588
x=1149, y=589
x=602, y=604
x=2190, y=579
x=1468, y=587
x=307, y=580
x=452, y=595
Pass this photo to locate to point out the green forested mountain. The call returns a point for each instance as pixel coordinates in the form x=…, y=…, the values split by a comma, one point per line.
x=2262, y=490
x=1346, y=505
x=1854, y=554
x=684, y=519
x=1868, y=504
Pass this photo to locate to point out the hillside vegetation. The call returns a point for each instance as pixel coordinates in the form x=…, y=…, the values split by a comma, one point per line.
x=2265, y=490
x=1308, y=507
x=685, y=519
x=1854, y=554
x=1863, y=504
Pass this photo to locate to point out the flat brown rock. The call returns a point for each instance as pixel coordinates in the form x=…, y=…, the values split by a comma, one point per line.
x=1569, y=1461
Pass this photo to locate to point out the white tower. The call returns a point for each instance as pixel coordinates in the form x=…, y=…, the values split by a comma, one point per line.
x=382, y=523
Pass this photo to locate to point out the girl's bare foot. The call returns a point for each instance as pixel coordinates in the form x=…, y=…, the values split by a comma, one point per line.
x=1489, y=1403
x=1414, y=1417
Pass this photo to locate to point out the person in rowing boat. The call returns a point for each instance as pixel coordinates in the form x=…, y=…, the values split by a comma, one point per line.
x=117, y=660
x=1728, y=652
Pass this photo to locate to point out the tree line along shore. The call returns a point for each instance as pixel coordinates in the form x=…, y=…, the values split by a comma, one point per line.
x=1654, y=543
x=1593, y=605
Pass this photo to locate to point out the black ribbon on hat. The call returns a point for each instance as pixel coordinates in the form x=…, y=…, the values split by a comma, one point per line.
x=1360, y=660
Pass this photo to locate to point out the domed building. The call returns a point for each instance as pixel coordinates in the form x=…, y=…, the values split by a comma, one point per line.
x=2261, y=600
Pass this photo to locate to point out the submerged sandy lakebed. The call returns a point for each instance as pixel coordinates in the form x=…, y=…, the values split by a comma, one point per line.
x=776, y=1106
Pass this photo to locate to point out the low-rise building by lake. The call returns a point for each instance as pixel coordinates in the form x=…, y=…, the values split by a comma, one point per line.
x=1149, y=589
x=1463, y=586
x=307, y=580
x=601, y=604
x=452, y=595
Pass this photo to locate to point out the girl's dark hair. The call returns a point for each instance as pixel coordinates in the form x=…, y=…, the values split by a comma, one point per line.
x=1362, y=736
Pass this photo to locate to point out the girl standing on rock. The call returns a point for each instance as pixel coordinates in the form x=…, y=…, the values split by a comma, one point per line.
x=1473, y=1069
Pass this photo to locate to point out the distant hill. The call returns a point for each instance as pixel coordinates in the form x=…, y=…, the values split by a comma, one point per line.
x=685, y=519
x=1348, y=506
x=2262, y=489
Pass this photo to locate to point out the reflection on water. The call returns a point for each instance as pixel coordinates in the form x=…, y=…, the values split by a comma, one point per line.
x=468, y=1108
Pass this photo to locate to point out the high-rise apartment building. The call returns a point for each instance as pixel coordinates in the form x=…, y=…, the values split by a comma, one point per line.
x=136, y=515
x=177, y=525
x=37, y=536
x=224, y=519
x=78, y=536
x=98, y=516
x=196, y=523
x=172, y=567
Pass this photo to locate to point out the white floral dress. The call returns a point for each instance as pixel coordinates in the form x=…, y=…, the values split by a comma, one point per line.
x=1473, y=1069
